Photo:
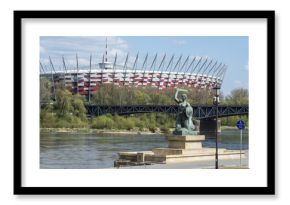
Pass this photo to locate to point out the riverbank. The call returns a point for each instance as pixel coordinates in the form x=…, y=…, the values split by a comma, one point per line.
x=114, y=131
x=97, y=131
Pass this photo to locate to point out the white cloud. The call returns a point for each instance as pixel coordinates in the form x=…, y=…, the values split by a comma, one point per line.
x=83, y=46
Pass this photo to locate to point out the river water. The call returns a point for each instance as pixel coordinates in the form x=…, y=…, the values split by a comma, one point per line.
x=91, y=151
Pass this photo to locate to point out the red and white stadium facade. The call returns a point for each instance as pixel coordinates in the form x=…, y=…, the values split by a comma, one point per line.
x=198, y=72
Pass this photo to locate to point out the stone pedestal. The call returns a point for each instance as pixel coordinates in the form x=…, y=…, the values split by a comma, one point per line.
x=186, y=141
x=183, y=148
x=181, y=145
x=189, y=148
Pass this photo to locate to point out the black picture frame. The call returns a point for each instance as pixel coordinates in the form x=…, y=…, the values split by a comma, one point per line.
x=19, y=189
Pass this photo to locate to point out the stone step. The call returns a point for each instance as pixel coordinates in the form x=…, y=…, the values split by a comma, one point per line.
x=198, y=152
x=182, y=148
x=200, y=157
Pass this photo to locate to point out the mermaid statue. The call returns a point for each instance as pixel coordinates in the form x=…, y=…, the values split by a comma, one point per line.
x=184, y=124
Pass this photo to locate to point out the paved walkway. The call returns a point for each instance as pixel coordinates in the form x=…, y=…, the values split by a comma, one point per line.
x=209, y=164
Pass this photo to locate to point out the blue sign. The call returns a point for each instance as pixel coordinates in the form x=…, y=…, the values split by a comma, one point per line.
x=240, y=124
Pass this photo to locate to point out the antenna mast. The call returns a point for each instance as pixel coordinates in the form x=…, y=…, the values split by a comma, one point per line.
x=106, y=55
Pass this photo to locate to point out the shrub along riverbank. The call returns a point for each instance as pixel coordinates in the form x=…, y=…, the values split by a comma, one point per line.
x=145, y=122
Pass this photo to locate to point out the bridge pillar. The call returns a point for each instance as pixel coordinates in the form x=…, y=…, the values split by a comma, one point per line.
x=208, y=128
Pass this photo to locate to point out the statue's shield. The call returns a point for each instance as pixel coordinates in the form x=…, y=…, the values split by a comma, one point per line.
x=189, y=111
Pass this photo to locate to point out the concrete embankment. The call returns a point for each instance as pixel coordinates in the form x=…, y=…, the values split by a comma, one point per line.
x=206, y=164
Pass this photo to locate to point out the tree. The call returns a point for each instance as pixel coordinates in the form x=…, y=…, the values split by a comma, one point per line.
x=45, y=90
x=238, y=96
x=158, y=98
x=78, y=105
x=139, y=98
x=63, y=102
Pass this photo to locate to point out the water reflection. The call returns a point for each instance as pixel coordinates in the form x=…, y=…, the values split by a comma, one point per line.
x=90, y=151
x=230, y=139
x=84, y=151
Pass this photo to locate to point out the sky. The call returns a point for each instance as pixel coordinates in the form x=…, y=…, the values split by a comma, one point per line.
x=230, y=50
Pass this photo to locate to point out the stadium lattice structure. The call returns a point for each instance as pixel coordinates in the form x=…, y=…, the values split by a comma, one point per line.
x=200, y=72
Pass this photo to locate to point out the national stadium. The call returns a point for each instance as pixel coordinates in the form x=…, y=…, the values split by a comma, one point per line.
x=154, y=71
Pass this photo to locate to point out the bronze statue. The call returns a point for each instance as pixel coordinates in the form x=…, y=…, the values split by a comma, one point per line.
x=184, y=125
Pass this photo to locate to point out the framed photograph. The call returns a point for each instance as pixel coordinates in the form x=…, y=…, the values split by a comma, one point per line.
x=144, y=102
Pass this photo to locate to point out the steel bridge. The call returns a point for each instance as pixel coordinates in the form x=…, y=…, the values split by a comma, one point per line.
x=199, y=111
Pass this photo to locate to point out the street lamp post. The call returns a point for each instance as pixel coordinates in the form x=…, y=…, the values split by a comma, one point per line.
x=216, y=103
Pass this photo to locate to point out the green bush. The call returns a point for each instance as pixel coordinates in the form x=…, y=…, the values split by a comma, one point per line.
x=129, y=123
x=140, y=124
x=77, y=122
x=102, y=122
x=62, y=123
x=47, y=119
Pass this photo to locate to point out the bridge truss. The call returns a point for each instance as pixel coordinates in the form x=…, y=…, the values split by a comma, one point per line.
x=199, y=111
